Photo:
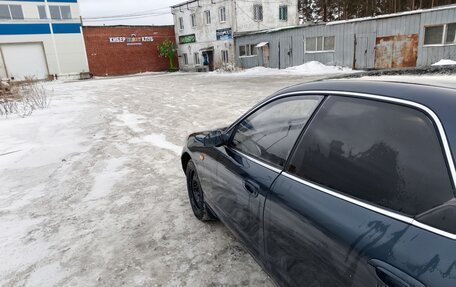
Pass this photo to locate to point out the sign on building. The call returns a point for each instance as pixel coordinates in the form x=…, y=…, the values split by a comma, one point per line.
x=224, y=34
x=186, y=39
x=133, y=40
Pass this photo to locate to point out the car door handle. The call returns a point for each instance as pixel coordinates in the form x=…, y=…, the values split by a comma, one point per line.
x=252, y=187
x=393, y=277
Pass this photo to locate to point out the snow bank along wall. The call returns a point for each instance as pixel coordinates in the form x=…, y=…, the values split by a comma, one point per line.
x=121, y=50
x=39, y=38
x=417, y=38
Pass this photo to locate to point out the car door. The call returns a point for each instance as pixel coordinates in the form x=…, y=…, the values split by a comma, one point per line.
x=253, y=159
x=343, y=211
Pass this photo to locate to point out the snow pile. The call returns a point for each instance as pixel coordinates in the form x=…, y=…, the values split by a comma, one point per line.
x=312, y=68
x=317, y=68
x=444, y=62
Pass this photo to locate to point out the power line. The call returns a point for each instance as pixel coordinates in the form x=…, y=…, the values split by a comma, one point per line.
x=151, y=12
x=123, y=18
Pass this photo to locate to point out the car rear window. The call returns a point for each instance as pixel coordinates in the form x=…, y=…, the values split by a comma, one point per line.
x=382, y=153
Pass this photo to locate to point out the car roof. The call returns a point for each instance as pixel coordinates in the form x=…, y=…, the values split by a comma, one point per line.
x=407, y=91
x=441, y=100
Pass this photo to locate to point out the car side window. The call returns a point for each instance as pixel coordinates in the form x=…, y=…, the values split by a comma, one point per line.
x=382, y=153
x=270, y=132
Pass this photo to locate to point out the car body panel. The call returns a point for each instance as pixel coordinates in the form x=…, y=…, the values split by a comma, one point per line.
x=304, y=236
x=239, y=193
x=310, y=234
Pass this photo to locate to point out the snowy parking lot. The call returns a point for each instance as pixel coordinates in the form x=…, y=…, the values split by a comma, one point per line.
x=92, y=192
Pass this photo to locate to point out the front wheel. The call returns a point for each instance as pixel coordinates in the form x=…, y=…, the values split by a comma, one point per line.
x=196, y=195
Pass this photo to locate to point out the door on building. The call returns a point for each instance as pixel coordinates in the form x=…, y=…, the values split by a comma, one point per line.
x=364, y=54
x=264, y=46
x=399, y=51
x=25, y=60
x=209, y=59
x=266, y=56
x=361, y=52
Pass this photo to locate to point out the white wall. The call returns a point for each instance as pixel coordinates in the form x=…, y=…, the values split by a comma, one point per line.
x=30, y=10
x=205, y=34
x=245, y=18
x=239, y=17
x=71, y=49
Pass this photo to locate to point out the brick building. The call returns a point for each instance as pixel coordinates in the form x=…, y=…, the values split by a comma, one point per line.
x=122, y=50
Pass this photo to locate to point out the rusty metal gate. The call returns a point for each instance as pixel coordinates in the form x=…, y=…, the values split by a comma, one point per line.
x=396, y=51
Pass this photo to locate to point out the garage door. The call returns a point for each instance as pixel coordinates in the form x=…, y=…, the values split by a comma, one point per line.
x=25, y=60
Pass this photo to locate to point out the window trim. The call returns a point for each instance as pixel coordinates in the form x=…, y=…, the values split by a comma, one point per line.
x=11, y=13
x=223, y=8
x=60, y=13
x=444, y=35
x=249, y=54
x=196, y=58
x=381, y=210
x=227, y=56
x=322, y=45
x=207, y=17
x=260, y=8
x=193, y=20
x=282, y=6
x=181, y=23
x=45, y=12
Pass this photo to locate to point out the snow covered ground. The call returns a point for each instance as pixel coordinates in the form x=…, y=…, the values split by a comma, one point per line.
x=92, y=192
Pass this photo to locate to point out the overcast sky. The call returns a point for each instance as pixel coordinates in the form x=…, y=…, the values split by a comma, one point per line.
x=128, y=12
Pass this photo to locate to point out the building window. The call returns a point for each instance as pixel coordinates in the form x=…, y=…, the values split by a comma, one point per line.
x=193, y=18
x=450, y=34
x=60, y=12
x=222, y=14
x=185, y=56
x=66, y=12
x=283, y=13
x=225, y=58
x=181, y=23
x=258, y=12
x=42, y=12
x=247, y=50
x=11, y=12
x=320, y=44
x=207, y=17
x=196, y=57
x=440, y=35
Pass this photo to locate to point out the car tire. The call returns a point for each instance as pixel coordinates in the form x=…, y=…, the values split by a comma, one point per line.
x=196, y=195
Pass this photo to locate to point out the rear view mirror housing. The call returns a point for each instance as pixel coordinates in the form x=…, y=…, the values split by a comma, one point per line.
x=216, y=138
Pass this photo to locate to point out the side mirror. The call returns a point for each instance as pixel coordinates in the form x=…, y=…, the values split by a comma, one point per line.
x=215, y=139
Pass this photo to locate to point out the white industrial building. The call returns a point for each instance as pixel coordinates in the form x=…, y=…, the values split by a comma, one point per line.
x=205, y=28
x=41, y=39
